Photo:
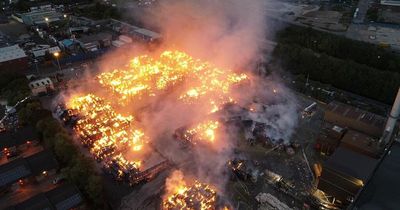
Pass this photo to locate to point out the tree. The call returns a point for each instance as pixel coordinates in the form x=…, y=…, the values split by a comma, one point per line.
x=94, y=189
x=64, y=149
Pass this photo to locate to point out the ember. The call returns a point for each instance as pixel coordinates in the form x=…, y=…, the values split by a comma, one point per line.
x=202, y=132
x=196, y=196
x=146, y=77
x=104, y=131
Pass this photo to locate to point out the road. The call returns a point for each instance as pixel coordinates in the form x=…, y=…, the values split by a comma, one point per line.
x=357, y=23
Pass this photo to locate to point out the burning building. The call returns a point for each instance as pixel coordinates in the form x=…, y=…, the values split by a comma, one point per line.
x=191, y=195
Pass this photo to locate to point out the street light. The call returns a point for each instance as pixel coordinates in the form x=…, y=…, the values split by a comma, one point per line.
x=56, y=54
x=46, y=19
x=65, y=16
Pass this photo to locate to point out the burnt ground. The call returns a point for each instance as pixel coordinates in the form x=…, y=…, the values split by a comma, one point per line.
x=293, y=169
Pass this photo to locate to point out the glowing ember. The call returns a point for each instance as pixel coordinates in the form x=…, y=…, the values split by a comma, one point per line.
x=197, y=196
x=103, y=130
x=205, y=132
x=146, y=76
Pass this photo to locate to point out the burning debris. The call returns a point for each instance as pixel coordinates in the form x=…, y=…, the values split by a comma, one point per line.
x=149, y=77
x=205, y=132
x=193, y=196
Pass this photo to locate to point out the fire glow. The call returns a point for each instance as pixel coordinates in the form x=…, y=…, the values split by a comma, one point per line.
x=146, y=77
x=104, y=131
x=195, y=196
x=111, y=136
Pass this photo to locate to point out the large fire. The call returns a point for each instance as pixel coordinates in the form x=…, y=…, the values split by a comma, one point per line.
x=195, y=196
x=111, y=136
x=146, y=77
x=104, y=131
x=204, y=132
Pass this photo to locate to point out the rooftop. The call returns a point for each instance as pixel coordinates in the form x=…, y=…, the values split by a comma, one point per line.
x=383, y=190
x=11, y=53
x=42, y=161
x=18, y=137
x=148, y=33
x=24, y=167
x=356, y=114
x=361, y=142
x=13, y=171
x=61, y=198
x=350, y=163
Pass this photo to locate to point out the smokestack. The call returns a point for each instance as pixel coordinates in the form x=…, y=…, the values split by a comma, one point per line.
x=392, y=119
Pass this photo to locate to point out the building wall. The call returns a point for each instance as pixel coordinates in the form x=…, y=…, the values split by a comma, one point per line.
x=17, y=64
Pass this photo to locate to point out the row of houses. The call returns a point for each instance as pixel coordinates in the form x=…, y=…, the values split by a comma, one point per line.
x=25, y=166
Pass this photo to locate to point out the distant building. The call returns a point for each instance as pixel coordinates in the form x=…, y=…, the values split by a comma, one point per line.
x=41, y=16
x=350, y=117
x=390, y=2
x=22, y=138
x=13, y=58
x=95, y=41
x=361, y=143
x=33, y=168
x=345, y=173
x=41, y=86
x=135, y=32
x=60, y=198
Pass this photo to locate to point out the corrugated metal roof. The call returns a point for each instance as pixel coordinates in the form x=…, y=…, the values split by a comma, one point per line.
x=11, y=53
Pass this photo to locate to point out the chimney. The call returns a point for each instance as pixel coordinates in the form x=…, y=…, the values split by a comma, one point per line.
x=392, y=119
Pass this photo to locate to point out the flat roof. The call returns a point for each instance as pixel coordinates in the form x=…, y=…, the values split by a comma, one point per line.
x=383, y=190
x=24, y=167
x=37, y=202
x=18, y=137
x=64, y=197
x=42, y=161
x=14, y=171
x=356, y=114
x=11, y=53
x=351, y=163
x=148, y=33
x=362, y=141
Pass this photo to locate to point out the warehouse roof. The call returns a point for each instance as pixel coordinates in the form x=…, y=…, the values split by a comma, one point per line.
x=42, y=161
x=24, y=167
x=38, y=202
x=11, y=53
x=64, y=197
x=356, y=114
x=13, y=171
x=383, y=190
x=18, y=137
x=148, y=33
x=61, y=198
x=351, y=163
x=361, y=142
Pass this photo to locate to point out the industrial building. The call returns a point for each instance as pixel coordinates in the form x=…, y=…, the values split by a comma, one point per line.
x=361, y=143
x=345, y=173
x=390, y=2
x=41, y=86
x=60, y=198
x=350, y=117
x=96, y=41
x=383, y=190
x=32, y=168
x=13, y=58
x=41, y=16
